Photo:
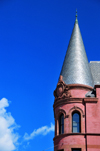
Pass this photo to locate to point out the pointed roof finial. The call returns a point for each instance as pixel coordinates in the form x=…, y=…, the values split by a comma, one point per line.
x=76, y=17
x=76, y=12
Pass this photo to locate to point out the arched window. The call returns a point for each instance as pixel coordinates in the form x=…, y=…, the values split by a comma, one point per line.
x=76, y=122
x=61, y=124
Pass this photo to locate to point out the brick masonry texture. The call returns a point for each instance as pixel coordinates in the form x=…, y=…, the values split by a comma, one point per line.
x=89, y=137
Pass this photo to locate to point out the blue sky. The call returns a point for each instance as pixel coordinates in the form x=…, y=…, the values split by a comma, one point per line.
x=34, y=36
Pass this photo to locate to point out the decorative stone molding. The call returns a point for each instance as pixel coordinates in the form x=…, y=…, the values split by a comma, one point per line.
x=67, y=101
x=76, y=108
x=60, y=111
x=62, y=90
x=80, y=86
x=67, y=116
x=89, y=100
x=78, y=134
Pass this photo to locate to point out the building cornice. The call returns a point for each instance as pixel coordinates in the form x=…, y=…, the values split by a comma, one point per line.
x=74, y=100
x=90, y=100
x=72, y=134
x=80, y=86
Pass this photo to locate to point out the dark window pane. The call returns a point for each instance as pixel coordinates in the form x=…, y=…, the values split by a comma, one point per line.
x=76, y=122
x=62, y=119
x=76, y=149
x=61, y=124
x=62, y=129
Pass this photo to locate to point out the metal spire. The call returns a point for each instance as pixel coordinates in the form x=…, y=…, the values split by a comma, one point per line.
x=75, y=69
x=76, y=17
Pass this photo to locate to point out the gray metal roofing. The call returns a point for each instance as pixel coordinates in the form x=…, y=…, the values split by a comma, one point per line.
x=95, y=69
x=75, y=69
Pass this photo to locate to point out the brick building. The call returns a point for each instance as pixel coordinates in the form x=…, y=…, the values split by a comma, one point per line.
x=77, y=100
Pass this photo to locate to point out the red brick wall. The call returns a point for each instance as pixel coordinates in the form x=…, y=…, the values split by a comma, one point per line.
x=89, y=136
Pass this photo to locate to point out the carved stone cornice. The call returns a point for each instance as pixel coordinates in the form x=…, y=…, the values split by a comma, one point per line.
x=90, y=100
x=62, y=90
x=67, y=101
x=80, y=86
x=74, y=100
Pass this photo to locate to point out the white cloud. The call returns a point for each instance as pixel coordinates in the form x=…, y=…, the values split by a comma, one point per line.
x=8, y=136
x=40, y=131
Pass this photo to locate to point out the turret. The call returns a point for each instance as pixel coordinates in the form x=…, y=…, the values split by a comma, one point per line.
x=77, y=100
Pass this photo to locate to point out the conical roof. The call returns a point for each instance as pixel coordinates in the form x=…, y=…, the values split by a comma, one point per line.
x=75, y=69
